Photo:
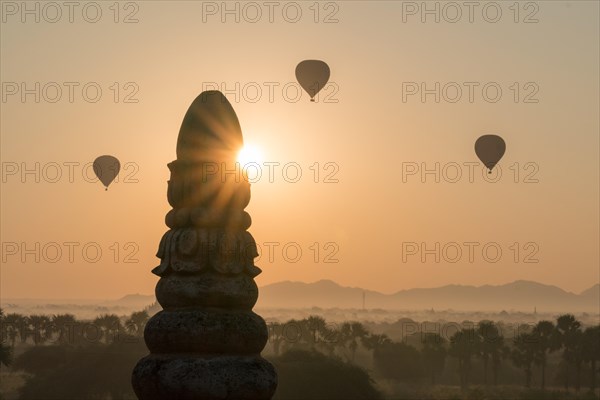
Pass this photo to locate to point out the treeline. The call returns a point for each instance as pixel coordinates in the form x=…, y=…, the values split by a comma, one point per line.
x=424, y=356
x=67, y=329
x=94, y=358
x=65, y=358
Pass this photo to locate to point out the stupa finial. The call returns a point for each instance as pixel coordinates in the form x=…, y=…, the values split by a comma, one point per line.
x=206, y=342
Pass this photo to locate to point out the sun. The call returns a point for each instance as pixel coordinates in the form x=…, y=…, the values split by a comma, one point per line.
x=250, y=154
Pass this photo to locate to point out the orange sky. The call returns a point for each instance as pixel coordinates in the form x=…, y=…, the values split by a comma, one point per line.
x=364, y=141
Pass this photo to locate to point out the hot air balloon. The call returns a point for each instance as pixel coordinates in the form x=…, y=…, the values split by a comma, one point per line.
x=312, y=75
x=106, y=169
x=490, y=149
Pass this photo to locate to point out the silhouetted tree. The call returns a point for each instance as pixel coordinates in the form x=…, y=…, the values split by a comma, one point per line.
x=19, y=326
x=5, y=350
x=297, y=335
x=276, y=336
x=64, y=325
x=492, y=343
x=433, y=354
x=109, y=325
x=523, y=354
x=351, y=333
x=373, y=341
x=311, y=375
x=311, y=334
x=465, y=344
x=23, y=327
x=318, y=328
x=5, y=354
x=9, y=327
x=136, y=323
x=38, y=326
x=153, y=308
x=578, y=357
x=591, y=351
x=398, y=361
x=92, y=371
x=568, y=331
x=39, y=359
x=544, y=336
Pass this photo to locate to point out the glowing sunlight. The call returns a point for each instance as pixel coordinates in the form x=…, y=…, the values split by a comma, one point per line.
x=250, y=154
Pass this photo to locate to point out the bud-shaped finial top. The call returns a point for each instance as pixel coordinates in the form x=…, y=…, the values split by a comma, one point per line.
x=210, y=130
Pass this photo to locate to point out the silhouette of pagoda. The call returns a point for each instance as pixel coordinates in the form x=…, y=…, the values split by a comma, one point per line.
x=206, y=343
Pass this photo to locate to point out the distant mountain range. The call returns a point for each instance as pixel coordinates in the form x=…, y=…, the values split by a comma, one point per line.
x=517, y=296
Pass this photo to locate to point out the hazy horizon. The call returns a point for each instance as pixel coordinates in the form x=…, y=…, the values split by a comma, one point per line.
x=91, y=299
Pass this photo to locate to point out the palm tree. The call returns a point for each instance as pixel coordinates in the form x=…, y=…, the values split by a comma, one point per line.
x=567, y=332
x=331, y=339
x=307, y=333
x=137, y=322
x=108, y=325
x=4, y=327
x=16, y=325
x=545, y=342
x=318, y=328
x=465, y=344
x=523, y=354
x=10, y=326
x=491, y=348
x=39, y=328
x=351, y=333
x=23, y=327
x=276, y=336
x=373, y=341
x=591, y=347
x=295, y=333
x=5, y=354
x=578, y=356
x=64, y=324
x=5, y=351
x=433, y=354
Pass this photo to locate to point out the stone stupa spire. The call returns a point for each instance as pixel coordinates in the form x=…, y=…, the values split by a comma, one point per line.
x=206, y=342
